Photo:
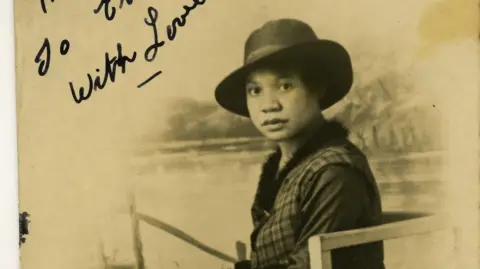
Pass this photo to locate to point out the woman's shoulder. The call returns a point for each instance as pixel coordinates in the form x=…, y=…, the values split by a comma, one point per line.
x=340, y=152
x=340, y=162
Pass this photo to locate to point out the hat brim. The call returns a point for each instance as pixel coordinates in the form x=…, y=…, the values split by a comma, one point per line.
x=327, y=57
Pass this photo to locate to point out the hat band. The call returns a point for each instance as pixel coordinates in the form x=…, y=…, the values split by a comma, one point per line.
x=262, y=52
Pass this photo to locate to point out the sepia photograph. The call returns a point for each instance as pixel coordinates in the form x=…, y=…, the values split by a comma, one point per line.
x=248, y=134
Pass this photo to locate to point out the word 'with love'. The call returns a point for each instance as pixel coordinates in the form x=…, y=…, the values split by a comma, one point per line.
x=119, y=61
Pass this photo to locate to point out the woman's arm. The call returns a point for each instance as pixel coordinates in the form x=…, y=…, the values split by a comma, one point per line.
x=333, y=201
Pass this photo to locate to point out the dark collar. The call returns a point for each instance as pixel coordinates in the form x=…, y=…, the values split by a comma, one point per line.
x=269, y=183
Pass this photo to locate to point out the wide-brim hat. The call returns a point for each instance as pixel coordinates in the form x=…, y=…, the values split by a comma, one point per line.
x=281, y=41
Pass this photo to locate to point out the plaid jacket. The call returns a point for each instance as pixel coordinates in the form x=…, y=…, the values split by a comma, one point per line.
x=305, y=200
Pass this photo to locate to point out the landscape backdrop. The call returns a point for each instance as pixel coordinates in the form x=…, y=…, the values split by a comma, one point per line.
x=386, y=116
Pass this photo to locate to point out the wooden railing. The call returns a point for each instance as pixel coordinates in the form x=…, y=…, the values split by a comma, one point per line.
x=397, y=225
x=137, y=217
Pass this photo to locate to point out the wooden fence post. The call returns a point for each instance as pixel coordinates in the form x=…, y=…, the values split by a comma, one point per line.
x=103, y=256
x=137, y=242
x=241, y=250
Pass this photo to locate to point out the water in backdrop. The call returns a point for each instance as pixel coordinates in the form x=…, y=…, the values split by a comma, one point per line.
x=208, y=195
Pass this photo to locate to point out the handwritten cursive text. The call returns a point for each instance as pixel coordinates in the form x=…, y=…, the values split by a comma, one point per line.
x=110, y=12
x=44, y=7
x=98, y=80
x=182, y=20
x=44, y=64
x=43, y=55
x=99, y=83
x=151, y=51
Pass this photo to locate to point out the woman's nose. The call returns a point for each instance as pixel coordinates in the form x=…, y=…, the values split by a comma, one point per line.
x=271, y=104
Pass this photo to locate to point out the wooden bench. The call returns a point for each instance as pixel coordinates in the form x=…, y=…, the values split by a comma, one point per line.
x=396, y=225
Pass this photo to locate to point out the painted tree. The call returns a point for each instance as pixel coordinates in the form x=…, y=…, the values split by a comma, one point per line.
x=388, y=115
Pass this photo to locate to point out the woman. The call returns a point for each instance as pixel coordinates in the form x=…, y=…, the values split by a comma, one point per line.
x=317, y=181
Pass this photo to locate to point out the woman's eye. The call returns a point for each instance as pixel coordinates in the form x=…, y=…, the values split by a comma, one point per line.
x=286, y=86
x=253, y=90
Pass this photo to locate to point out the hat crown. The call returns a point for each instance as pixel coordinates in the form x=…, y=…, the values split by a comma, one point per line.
x=276, y=35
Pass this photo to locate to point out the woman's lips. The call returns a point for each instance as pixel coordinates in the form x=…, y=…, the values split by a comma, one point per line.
x=274, y=121
x=273, y=125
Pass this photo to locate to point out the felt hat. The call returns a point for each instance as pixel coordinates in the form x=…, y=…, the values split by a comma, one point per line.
x=285, y=40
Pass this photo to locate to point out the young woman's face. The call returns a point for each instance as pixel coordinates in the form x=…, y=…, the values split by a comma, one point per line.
x=279, y=103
